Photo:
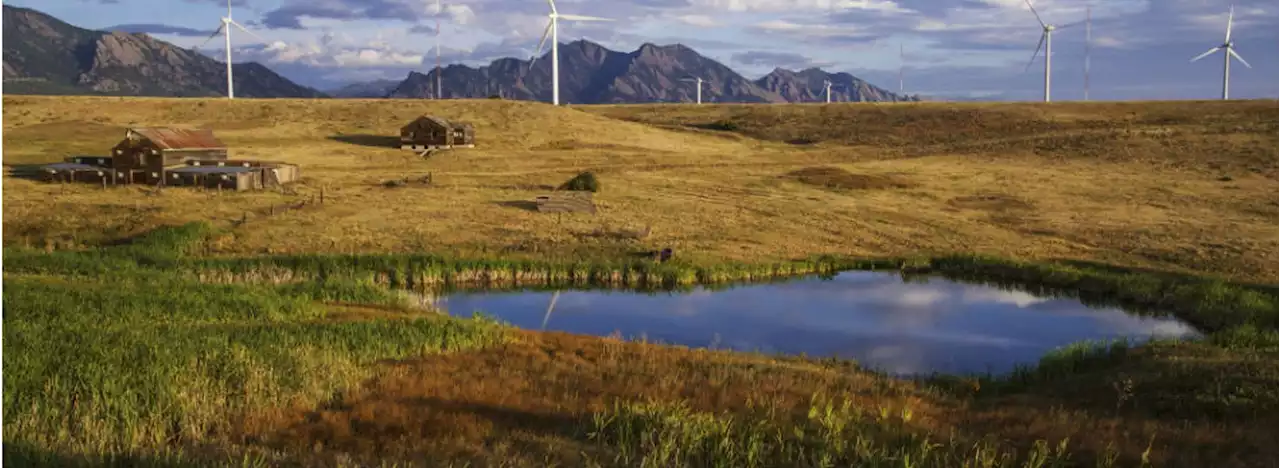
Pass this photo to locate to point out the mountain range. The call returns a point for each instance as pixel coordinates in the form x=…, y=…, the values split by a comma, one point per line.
x=44, y=55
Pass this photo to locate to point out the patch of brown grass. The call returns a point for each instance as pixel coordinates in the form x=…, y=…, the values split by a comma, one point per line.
x=529, y=399
x=991, y=202
x=840, y=179
x=1136, y=184
x=530, y=402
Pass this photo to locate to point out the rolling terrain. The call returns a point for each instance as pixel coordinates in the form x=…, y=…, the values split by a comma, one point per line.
x=1169, y=185
x=182, y=327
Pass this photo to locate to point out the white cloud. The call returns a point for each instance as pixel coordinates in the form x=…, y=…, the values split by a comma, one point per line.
x=701, y=21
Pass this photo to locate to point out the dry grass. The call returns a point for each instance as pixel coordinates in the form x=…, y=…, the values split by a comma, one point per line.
x=526, y=403
x=1138, y=184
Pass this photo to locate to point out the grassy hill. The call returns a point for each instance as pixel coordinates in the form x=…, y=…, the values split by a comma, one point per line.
x=129, y=341
x=1143, y=184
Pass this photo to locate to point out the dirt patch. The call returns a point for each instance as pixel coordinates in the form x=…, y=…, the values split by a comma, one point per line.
x=990, y=202
x=839, y=179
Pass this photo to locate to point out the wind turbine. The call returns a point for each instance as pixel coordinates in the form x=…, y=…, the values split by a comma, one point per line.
x=1230, y=51
x=439, y=71
x=902, y=65
x=697, y=80
x=1046, y=40
x=826, y=87
x=553, y=29
x=225, y=28
x=1088, y=46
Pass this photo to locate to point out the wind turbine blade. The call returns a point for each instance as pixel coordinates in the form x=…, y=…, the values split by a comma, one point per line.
x=216, y=32
x=1034, y=54
x=1034, y=12
x=545, y=32
x=553, y=6
x=1231, y=13
x=1238, y=57
x=246, y=31
x=228, y=8
x=583, y=18
x=1206, y=54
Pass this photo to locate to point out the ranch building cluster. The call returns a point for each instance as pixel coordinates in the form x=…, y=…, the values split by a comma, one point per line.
x=194, y=157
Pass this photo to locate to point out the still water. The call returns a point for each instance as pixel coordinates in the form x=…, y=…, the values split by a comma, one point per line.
x=876, y=319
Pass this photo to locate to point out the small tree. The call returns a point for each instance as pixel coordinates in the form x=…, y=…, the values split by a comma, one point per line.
x=584, y=182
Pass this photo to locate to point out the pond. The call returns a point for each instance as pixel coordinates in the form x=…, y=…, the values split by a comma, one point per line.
x=877, y=319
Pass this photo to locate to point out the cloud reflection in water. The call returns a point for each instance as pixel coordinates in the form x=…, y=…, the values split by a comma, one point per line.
x=874, y=318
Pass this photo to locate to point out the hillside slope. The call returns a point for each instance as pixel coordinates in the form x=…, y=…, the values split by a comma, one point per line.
x=45, y=55
x=1187, y=186
x=1206, y=135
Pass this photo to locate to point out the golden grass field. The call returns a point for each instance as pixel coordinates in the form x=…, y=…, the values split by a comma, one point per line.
x=1189, y=186
x=1173, y=185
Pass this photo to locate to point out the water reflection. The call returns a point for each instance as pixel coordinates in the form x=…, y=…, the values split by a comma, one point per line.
x=875, y=318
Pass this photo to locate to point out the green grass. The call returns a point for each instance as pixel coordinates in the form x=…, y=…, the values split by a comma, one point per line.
x=141, y=352
x=834, y=433
x=136, y=358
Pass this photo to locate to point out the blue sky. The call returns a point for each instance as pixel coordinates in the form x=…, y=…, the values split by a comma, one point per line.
x=954, y=48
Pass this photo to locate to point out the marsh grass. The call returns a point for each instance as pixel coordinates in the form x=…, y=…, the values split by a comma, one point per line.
x=130, y=362
x=833, y=433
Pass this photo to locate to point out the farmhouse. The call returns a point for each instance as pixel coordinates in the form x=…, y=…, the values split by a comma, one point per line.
x=175, y=157
x=145, y=152
x=433, y=132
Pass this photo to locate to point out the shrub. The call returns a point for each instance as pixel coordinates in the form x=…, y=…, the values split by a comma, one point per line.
x=584, y=182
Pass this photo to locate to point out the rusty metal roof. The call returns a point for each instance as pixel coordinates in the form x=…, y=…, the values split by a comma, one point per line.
x=441, y=121
x=172, y=138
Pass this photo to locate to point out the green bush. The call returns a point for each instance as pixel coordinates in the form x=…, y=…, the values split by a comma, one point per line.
x=584, y=182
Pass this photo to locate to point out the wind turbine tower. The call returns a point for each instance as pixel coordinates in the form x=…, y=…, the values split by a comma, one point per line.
x=699, y=83
x=1088, y=46
x=439, y=11
x=826, y=86
x=225, y=29
x=553, y=29
x=1229, y=49
x=902, y=65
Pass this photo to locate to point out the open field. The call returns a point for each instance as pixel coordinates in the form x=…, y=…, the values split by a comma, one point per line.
x=1177, y=186
x=149, y=365
x=129, y=341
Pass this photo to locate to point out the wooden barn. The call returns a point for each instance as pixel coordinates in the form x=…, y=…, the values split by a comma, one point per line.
x=433, y=132
x=145, y=152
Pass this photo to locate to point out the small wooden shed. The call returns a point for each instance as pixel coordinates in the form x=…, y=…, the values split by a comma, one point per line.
x=76, y=172
x=235, y=174
x=226, y=177
x=145, y=152
x=435, y=132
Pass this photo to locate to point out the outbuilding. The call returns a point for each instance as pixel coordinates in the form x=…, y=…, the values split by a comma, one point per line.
x=233, y=174
x=435, y=132
x=145, y=152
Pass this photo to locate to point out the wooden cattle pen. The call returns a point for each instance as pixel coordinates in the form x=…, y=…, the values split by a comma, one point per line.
x=430, y=132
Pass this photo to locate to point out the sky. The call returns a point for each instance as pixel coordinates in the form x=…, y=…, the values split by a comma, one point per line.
x=951, y=49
